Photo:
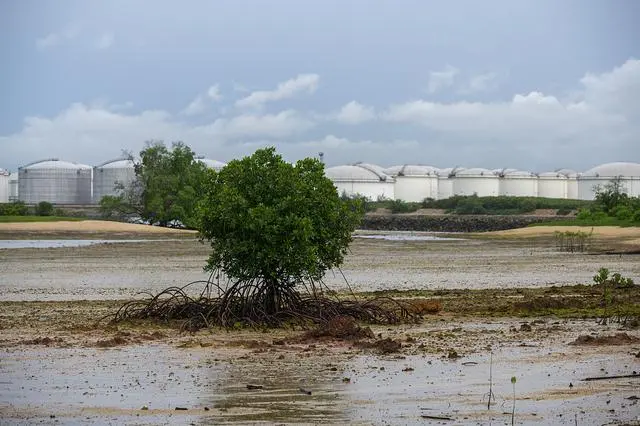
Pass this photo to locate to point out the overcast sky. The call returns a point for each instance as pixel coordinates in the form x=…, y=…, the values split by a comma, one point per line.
x=534, y=85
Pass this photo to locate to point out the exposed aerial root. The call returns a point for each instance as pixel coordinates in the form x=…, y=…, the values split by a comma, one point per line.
x=259, y=303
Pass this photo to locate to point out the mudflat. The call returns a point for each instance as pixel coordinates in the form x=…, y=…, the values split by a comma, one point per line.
x=503, y=313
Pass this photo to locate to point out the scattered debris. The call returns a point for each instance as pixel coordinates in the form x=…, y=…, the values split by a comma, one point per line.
x=623, y=376
x=254, y=387
x=110, y=343
x=342, y=327
x=525, y=327
x=424, y=416
x=453, y=354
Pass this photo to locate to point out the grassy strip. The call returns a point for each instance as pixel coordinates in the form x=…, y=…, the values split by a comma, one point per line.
x=8, y=219
x=607, y=221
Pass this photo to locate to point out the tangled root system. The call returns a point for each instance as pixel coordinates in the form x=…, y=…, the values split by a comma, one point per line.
x=259, y=303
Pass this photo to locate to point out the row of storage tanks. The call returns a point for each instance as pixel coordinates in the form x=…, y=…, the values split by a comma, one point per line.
x=416, y=182
x=62, y=182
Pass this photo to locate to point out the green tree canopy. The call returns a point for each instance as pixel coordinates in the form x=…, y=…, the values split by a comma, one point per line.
x=171, y=182
x=270, y=221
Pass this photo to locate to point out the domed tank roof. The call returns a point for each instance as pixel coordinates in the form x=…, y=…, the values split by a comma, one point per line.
x=448, y=171
x=552, y=175
x=355, y=172
x=411, y=170
x=54, y=163
x=568, y=172
x=504, y=171
x=518, y=174
x=475, y=172
x=611, y=170
x=212, y=164
x=119, y=163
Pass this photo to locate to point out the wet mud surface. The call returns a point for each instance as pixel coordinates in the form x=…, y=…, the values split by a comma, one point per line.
x=112, y=271
x=60, y=365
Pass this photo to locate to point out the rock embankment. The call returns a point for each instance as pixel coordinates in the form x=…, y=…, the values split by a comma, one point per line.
x=450, y=223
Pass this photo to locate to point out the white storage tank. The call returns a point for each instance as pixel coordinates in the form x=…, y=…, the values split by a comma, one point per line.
x=628, y=173
x=572, y=183
x=502, y=172
x=13, y=187
x=110, y=173
x=445, y=181
x=361, y=179
x=55, y=181
x=4, y=186
x=479, y=181
x=212, y=164
x=414, y=183
x=517, y=183
x=552, y=185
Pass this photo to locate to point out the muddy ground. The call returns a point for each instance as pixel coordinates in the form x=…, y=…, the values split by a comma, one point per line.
x=60, y=364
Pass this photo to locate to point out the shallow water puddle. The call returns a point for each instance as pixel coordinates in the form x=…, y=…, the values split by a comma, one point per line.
x=406, y=237
x=43, y=244
x=418, y=386
x=80, y=386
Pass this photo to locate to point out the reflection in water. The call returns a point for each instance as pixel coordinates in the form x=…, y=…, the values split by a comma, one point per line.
x=282, y=398
x=406, y=237
x=19, y=244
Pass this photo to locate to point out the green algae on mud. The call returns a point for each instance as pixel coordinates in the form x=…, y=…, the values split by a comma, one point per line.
x=576, y=301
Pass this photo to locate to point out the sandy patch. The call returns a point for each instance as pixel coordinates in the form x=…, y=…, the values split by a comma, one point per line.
x=87, y=226
x=598, y=231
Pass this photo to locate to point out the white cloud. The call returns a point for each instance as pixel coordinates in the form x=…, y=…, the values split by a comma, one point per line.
x=600, y=122
x=57, y=38
x=539, y=125
x=214, y=93
x=105, y=41
x=283, y=124
x=443, y=79
x=355, y=113
x=99, y=132
x=480, y=83
x=303, y=83
x=204, y=100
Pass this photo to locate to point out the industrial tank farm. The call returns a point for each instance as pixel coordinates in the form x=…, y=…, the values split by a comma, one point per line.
x=414, y=182
x=109, y=174
x=478, y=181
x=361, y=179
x=212, y=164
x=519, y=184
x=4, y=186
x=552, y=185
x=628, y=173
x=55, y=181
x=62, y=182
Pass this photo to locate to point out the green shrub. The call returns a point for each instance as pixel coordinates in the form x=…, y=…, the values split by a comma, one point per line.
x=17, y=208
x=563, y=211
x=44, y=208
x=527, y=205
x=399, y=206
x=470, y=205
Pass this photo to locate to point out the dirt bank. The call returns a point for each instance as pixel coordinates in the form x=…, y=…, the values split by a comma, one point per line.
x=85, y=228
x=598, y=231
